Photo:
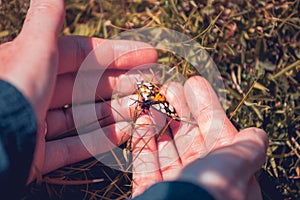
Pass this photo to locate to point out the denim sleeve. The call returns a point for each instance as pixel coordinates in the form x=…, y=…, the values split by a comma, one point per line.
x=174, y=190
x=18, y=127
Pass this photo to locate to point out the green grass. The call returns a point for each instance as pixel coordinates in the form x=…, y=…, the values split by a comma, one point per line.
x=256, y=48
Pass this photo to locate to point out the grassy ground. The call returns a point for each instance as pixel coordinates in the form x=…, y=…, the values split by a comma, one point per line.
x=256, y=47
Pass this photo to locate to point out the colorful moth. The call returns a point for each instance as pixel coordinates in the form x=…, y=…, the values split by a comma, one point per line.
x=151, y=96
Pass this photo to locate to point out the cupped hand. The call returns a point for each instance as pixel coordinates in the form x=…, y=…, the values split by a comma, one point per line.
x=43, y=67
x=211, y=154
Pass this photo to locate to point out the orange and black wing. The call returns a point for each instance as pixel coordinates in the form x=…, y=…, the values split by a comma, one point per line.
x=152, y=97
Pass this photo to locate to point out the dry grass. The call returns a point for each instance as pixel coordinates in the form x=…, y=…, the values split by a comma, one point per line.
x=256, y=47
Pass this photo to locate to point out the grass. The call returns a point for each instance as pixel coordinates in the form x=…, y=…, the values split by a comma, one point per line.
x=256, y=47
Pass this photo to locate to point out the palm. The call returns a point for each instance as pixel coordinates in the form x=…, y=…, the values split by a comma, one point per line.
x=175, y=154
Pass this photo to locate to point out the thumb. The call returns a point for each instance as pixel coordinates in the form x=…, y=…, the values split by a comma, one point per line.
x=252, y=144
x=43, y=21
x=226, y=171
x=33, y=70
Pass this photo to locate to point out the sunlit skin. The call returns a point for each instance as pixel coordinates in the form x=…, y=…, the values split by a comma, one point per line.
x=43, y=70
x=229, y=158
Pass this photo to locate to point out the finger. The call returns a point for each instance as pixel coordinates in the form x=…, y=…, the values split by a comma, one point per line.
x=144, y=155
x=169, y=160
x=204, y=104
x=36, y=46
x=252, y=144
x=175, y=96
x=43, y=14
x=188, y=139
x=102, y=54
x=112, y=82
x=226, y=171
x=248, y=153
x=61, y=121
x=73, y=149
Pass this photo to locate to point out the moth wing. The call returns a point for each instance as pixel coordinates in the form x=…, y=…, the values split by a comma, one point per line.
x=165, y=108
x=146, y=90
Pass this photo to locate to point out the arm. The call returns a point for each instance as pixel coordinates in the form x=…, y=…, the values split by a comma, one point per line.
x=17, y=140
x=174, y=190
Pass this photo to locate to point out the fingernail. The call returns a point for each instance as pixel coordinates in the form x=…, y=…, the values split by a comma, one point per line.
x=263, y=136
x=260, y=131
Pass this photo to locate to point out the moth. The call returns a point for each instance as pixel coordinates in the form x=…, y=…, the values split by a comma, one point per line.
x=151, y=97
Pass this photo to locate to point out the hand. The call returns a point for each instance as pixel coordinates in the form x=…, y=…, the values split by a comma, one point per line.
x=43, y=67
x=213, y=154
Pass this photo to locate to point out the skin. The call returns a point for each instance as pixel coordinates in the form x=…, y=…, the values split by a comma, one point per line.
x=44, y=72
x=211, y=154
